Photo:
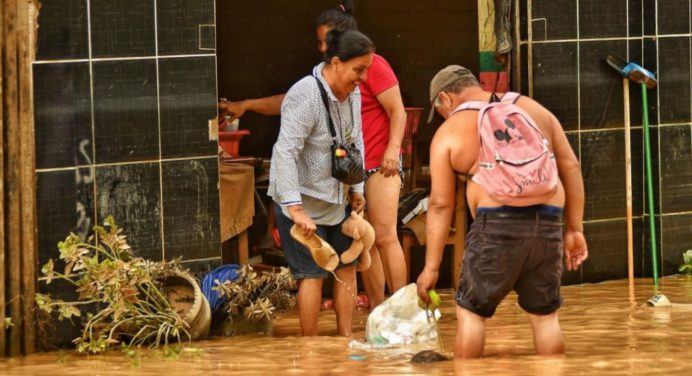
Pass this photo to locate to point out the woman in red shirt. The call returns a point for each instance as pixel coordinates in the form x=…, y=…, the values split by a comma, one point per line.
x=384, y=120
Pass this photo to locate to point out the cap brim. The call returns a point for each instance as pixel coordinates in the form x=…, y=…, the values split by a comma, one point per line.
x=432, y=114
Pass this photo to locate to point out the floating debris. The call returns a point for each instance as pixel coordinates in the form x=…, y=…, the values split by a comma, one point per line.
x=428, y=356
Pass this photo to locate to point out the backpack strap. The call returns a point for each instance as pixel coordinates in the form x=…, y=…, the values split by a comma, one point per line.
x=470, y=105
x=323, y=93
x=510, y=96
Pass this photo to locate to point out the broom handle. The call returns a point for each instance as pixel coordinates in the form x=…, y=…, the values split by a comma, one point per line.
x=628, y=185
x=649, y=187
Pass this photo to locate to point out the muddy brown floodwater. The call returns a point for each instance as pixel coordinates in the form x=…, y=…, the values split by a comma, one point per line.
x=606, y=332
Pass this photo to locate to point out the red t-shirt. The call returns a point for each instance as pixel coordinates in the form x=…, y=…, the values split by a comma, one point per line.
x=375, y=119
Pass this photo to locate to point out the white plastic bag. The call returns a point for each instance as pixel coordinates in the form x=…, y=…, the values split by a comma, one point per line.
x=400, y=321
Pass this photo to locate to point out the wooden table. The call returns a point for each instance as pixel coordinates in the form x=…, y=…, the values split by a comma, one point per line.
x=237, y=203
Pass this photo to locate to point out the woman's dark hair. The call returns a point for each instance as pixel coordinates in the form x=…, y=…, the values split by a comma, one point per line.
x=347, y=44
x=339, y=17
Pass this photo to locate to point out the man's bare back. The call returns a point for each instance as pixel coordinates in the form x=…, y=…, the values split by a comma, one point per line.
x=458, y=136
x=498, y=264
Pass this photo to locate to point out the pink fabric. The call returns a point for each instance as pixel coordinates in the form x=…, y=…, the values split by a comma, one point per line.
x=515, y=166
x=375, y=119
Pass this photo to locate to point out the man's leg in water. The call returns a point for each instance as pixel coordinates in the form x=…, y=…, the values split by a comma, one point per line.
x=547, y=335
x=470, y=338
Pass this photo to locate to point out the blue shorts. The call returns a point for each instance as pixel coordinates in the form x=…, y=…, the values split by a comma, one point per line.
x=299, y=259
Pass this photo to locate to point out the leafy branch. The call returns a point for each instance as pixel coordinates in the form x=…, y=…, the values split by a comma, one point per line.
x=256, y=297
x=126, y=290
x=686, y=268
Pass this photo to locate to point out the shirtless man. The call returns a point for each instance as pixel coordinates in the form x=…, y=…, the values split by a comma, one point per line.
x=507, y=247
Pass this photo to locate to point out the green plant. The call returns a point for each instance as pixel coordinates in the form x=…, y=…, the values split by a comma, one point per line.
x=686, y=268
x=130, y=304
x=255, y=297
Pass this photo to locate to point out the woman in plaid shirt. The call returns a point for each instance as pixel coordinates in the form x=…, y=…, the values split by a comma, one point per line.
x=300, y=180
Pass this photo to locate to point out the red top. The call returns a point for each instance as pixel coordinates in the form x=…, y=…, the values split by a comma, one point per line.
x=375, y=119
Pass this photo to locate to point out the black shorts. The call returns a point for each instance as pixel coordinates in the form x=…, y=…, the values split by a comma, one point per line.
x=512, y=250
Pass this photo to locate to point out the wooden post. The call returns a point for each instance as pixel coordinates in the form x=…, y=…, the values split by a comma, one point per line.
x=628, y=187
x=243, y=248
x=517, y=47
x=529, y=49
x=18, y=261
x=2, y=181
x=27, y=14
x=13, y=193
x=408, y=240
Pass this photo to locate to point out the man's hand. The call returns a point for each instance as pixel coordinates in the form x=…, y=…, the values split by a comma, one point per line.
x=300, y=218
x=390, y=162
x=426, y=281
x=233, y=109
x=357, y=201
x=575, y=249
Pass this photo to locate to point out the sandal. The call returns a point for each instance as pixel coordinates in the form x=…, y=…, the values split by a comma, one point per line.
x=324, y=255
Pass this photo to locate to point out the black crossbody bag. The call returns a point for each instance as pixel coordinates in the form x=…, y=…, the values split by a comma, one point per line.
x=347, y=161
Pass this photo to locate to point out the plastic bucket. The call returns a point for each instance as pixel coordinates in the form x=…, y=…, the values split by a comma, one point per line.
x=230, y=141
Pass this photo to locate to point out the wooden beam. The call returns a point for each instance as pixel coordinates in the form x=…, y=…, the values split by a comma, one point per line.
x=2, y=182
x=26, y=47
x=13, y=190
x=243, y=248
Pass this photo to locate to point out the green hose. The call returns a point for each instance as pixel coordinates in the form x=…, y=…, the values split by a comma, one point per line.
x=649, y=187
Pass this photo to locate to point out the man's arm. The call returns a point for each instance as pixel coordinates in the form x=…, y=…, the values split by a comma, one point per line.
x=265, y=106
x=440, y=210
x=569, y=171
x=392, y=103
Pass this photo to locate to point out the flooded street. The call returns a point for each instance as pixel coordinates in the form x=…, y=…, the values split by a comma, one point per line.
x=604, y=333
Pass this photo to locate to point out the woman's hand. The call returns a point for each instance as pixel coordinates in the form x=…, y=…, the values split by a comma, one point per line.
x=390, y=161
x=357, y=201
x=233, y=109
x=300, y=218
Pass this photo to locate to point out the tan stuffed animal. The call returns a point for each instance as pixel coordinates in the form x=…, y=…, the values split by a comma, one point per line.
x=363, y=236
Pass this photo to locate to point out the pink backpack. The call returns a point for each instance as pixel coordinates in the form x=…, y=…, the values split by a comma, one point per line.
x=515, y=166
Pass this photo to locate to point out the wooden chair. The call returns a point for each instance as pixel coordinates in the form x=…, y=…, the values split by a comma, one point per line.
x=457, y=237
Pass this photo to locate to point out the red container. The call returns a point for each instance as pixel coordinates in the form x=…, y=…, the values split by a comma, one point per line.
x=230, y=141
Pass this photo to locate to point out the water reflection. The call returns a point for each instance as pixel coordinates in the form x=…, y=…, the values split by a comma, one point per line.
x=604, y=331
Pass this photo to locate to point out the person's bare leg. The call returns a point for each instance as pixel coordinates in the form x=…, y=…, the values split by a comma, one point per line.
x=470, y=338
x=382, y=195
x=309, y=299
x=345, y=299
x=547, y=335
x=373, y=279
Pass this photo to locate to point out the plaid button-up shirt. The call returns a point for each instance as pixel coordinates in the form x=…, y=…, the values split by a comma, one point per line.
x=301, y=157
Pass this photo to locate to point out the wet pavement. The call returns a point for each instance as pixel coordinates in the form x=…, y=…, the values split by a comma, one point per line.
x=607, y=332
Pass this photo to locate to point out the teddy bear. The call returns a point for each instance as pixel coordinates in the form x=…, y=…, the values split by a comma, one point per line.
x=363, y=235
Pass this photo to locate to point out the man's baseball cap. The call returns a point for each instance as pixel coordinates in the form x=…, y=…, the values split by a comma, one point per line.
x=445, y=77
